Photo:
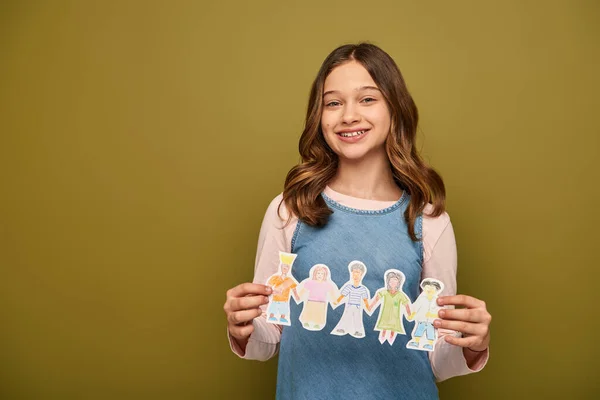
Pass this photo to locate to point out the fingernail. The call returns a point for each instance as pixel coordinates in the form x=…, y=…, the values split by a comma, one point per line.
x=441, y=313
x=440, y=301
x=265, y=299
x=269, y=290
x=437, y=323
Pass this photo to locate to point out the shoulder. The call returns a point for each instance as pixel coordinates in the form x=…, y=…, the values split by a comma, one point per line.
x=277, y=213
x=433, y=228
x=277, y=208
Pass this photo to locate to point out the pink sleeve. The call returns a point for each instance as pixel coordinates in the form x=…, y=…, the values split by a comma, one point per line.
x=440, y=262
x=274, y=236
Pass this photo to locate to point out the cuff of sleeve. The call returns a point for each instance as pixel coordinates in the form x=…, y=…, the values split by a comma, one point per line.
x=448, y=360
x=263, y=343
x=235, y=347
x=476, y=360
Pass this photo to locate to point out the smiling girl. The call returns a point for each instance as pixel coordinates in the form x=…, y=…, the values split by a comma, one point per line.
x=361, y=192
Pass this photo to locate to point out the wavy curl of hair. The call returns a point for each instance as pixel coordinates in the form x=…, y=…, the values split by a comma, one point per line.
x=306, y=181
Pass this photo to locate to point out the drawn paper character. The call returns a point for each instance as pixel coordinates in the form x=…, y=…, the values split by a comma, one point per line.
x=278, y=310
x=392, y=298
x=321, y=290
x=356, y=297
x=424, y=312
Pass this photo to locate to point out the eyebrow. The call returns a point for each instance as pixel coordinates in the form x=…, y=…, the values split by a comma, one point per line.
x=356, y=90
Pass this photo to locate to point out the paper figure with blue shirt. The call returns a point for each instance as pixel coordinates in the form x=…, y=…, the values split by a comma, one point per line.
x=356, y=297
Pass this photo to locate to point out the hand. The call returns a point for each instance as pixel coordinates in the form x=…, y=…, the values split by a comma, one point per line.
x=242, y=306
x=431, y=315
x=473, y=321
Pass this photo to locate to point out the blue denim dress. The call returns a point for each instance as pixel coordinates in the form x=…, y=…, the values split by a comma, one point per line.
x=318, y=365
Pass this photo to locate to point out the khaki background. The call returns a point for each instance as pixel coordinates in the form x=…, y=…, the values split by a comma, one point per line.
x=142, y=141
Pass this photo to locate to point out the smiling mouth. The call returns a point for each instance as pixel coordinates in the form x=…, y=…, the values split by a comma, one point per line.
x=352, y=134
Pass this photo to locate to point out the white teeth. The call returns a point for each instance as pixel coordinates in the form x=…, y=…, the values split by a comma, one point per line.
x=351, y=134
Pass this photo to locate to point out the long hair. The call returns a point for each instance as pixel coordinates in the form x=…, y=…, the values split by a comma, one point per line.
x=394, y=274
x=320, y=267
x=305, y=181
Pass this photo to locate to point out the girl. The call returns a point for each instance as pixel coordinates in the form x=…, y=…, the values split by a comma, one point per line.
x=361, y=192
x=391, y=298
x=320, y=289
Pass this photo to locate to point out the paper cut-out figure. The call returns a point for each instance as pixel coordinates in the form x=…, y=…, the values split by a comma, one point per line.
x=278, y=310
x=321, y=290
x=424, y=312
x=392, y=298
x=356, y=297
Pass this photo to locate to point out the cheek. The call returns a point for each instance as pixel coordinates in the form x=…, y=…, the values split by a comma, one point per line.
x=326, y=124
x=382, y=117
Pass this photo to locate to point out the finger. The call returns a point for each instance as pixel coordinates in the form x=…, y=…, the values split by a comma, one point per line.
x=247, y=288
x=460, y=326
x=241, y=331
x=247, y=302
x=461, y=300
x=241, y=317
x=462, y=314
x=470, y=341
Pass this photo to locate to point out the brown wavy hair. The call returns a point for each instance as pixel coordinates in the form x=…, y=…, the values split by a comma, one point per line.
x=305, y=181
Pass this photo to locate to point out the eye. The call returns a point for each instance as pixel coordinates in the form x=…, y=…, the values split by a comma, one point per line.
x=332, y=104
x=368, y=100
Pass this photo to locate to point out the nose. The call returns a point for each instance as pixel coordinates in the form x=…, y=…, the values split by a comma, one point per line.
x=350, y=115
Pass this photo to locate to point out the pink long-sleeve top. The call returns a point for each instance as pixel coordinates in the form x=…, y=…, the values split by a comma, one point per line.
x=439, y=262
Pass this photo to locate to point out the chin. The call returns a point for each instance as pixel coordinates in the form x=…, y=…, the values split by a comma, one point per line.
x=353, y=154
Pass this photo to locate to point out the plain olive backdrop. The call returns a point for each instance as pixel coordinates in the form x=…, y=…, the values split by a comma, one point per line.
x=141, y=142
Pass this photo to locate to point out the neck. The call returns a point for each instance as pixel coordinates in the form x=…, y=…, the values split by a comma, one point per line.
x=369, y=178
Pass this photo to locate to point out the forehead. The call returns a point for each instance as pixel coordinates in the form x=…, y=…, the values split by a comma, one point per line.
x=347, y=77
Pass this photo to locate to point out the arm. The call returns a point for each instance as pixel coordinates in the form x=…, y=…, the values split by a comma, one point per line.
x=331, y=294
x=407, y=305
x=366, y=301
x=440, y=262
x=302, y=291
x=374, y=301
x=263, y=343
x=343, y=293
x=414, y=307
